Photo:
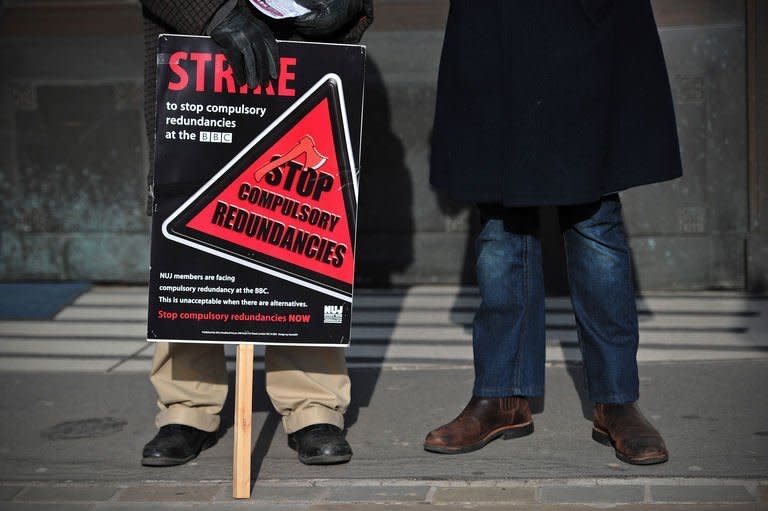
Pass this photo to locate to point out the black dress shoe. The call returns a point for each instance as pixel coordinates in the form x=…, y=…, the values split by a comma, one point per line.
x=176, y=444
x=320, y=444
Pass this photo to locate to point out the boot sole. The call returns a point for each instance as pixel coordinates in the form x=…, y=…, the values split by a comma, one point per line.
x=326, y=460
x=603, y=437
x=158, y=461
x=506, y=433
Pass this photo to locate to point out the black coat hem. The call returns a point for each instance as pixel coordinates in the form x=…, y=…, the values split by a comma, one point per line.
x=548, y=200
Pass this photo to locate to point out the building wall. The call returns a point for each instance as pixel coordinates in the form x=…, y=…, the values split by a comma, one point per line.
x=72, y=152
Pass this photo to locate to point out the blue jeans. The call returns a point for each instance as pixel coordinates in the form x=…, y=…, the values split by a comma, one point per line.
x=509, y=327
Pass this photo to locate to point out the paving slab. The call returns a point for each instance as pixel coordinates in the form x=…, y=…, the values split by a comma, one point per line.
x=377, y=507
x=244, y=505
x=46, y=506
x=501, y=495
x=156, y=493
x=720, y=493
x=286, y=494
x=592, y=494
x=685, y=507
x=67, y=494
x=9, y=492
x=378, y=494
x=535, y=507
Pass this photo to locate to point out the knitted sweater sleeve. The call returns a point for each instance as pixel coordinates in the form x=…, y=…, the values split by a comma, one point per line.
x=183, y=16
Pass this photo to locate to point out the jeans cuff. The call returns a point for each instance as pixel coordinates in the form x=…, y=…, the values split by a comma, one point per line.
x=530, y=391
x=614, y=399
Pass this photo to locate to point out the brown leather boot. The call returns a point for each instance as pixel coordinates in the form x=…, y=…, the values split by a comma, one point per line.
x=482, y=420
x=635, y=440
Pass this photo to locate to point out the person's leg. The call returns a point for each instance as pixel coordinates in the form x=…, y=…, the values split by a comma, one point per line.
x=508, y=334
x=307, y=385
x=191, y=385
x=310, y=388
x=603, y=297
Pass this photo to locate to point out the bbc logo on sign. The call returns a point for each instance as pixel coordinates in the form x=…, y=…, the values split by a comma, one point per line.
x=216, y=137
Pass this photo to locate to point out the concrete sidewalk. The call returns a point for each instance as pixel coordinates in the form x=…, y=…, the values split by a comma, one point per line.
x=77, y=408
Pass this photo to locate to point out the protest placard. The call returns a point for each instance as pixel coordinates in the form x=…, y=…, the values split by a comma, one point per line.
x=253, y=237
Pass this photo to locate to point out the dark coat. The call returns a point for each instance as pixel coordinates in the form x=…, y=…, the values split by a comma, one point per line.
x=551, y=102
x=163, y=16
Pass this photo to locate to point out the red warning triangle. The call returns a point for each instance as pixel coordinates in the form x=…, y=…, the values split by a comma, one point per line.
x=286, y=204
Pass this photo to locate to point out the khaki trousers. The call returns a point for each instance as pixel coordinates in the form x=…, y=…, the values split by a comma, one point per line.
x=306, y=385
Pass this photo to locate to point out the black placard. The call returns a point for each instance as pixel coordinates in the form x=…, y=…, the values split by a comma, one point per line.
x=253, y=227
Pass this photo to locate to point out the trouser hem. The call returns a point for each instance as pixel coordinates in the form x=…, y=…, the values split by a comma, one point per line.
x=313, y=415
x=187, y=416
x=507, y=391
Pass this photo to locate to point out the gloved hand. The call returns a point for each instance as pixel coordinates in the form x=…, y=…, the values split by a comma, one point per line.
x=327, y=16
x=250, y=47
x=356, y=31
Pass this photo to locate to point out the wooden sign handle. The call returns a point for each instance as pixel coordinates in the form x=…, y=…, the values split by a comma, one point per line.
x=241, y=470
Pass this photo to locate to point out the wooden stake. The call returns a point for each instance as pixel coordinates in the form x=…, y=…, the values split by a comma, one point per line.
x=241, y=470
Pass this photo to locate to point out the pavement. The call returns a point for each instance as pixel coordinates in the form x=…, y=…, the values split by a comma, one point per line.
x=77, y=407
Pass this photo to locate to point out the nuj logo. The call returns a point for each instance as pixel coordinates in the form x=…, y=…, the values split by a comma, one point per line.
x=333, y=313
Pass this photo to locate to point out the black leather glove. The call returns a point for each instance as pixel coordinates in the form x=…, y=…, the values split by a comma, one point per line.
x=249, y=45
x=327, y=16
x=364, y=20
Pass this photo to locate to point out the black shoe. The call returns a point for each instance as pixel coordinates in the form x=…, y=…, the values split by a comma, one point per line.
x=320, y=444
x=176, y=444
